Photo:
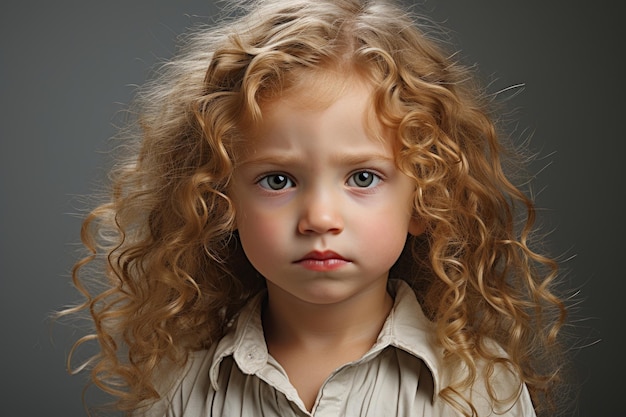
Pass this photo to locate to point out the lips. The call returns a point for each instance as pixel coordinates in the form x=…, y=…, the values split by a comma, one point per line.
x=322, y=261
x=322, y=256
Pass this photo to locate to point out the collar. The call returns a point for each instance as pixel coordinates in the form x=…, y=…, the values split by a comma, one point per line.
x=406, y=328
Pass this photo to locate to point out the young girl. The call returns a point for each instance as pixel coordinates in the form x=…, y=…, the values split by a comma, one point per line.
x=314, y=220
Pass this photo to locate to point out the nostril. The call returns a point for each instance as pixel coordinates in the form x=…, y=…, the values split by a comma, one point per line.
x=319, y=221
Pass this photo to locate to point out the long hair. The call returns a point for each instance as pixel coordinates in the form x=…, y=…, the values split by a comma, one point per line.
x=164, y=242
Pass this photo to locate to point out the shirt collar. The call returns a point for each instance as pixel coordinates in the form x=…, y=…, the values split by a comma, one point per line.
x=246, y=342
x=406, y=328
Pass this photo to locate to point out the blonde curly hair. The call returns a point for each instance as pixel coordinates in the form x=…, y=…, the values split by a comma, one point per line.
x=165, y=244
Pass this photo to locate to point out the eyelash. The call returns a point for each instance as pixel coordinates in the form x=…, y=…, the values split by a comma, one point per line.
x=285, y=181
x=373, y=177
x=265, y=184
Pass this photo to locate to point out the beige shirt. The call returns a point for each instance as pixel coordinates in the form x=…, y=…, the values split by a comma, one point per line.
x=399, y=376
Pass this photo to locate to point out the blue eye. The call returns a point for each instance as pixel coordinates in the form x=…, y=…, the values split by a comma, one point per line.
x=363, y=179
x=275, y=182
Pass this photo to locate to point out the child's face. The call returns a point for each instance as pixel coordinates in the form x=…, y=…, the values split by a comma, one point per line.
x=322, y=211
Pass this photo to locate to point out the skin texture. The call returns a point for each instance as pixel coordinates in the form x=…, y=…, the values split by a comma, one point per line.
x=322, y=213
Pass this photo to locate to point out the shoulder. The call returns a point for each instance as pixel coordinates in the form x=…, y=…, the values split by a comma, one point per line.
x=191, y=389
x=177, y=386
x=497, y=388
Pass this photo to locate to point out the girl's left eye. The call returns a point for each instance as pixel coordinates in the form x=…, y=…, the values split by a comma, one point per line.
x=363, y=179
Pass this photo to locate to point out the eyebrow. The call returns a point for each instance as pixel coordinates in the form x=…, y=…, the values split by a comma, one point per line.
x=287, y=158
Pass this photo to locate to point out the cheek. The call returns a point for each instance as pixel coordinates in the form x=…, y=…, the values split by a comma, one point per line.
x=384, y=235
x=261, y=235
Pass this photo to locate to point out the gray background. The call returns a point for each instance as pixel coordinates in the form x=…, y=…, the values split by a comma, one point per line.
x=67, y=69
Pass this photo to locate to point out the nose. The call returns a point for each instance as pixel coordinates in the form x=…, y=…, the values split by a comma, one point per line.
x=321, y=213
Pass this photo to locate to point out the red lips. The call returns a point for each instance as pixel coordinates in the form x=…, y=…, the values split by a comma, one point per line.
x=322, y=261
x=320, y=256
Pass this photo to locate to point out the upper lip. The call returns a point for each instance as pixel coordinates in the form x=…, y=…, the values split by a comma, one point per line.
x=322, y=255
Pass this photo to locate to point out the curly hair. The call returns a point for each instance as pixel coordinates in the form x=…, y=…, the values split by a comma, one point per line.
x=164, y=243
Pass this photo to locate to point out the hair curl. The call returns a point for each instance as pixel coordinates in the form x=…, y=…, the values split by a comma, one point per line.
x=165, y=243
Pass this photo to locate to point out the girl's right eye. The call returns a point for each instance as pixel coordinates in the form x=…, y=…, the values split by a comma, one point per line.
x=276, y=182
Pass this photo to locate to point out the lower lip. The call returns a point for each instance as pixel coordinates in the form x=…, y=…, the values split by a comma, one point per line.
x=322, y=265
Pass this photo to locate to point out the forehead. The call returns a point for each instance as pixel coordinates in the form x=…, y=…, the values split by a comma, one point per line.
x=318, y=89
x=313, y=92
x=314, y=122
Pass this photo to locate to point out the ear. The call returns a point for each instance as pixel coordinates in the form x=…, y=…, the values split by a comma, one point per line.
x=417, y=226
